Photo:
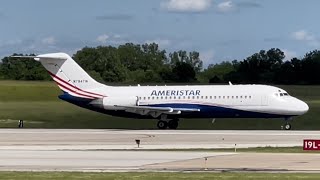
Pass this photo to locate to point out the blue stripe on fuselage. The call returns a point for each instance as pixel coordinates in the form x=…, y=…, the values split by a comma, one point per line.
x=210, y=111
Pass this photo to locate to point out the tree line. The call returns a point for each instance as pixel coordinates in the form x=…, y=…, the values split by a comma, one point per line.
x=147, y=63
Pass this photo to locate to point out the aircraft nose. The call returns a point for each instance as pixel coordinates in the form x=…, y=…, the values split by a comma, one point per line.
x=302, y=107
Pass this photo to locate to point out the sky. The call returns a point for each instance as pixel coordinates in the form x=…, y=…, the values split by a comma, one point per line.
x=219, y=29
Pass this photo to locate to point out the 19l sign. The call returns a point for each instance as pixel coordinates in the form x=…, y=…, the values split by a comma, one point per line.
x=311, y=144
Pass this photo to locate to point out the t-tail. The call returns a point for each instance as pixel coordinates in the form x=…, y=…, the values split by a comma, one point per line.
x=69, y=76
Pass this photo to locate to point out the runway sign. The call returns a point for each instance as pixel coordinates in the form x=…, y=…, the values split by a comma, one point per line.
x=311, y=144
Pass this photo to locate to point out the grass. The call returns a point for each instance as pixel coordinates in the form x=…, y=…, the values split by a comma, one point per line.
x=155, y=176
x=37, y=103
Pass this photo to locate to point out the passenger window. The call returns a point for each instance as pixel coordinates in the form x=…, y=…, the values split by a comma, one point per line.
x=148, y=97
x=206, y=97
x=281, y=94
x=210, y=97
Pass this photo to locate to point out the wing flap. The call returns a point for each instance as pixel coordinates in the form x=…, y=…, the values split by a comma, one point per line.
x=156, y=111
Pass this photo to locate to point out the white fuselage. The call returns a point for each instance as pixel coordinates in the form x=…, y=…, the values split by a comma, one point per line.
x=250, y=98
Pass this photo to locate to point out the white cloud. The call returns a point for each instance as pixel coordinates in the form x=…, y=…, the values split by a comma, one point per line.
x=304, y=35
x=161, y=42
x=207, y=57
x=289, y=54
x=226, y=6
x=102, y=38
x=117, y=36
x=186, y=5
x=48, y=40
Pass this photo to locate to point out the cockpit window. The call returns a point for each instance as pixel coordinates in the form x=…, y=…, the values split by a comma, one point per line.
x=281, y=94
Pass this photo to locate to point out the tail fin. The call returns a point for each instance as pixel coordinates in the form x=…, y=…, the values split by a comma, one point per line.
x=69, y=76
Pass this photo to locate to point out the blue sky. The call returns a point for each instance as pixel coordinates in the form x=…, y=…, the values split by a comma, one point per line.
x=218, y=29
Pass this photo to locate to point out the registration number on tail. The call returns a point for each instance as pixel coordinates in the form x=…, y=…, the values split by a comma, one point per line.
x=311, y=144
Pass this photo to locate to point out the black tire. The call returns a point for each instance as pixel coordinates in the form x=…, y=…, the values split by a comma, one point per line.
x=287, y=126
x=173, y=124
x=162, y=124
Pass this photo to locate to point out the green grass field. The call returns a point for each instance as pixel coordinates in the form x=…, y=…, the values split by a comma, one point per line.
x=37, y=103
x=155, y=176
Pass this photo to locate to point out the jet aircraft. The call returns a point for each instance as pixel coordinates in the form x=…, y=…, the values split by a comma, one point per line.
x=168, y=104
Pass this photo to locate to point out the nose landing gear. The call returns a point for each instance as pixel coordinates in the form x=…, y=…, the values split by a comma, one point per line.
x=287, y=125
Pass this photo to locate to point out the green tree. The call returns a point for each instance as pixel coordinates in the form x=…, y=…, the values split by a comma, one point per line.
x=183, y=72
x=192, y=58
x=310, y=67
x=22, y=69
x=216, y=72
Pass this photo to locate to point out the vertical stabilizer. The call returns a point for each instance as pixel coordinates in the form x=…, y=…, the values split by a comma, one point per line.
x=69, y=76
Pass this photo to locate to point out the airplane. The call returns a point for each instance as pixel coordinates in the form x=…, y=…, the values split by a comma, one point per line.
x=168, y=104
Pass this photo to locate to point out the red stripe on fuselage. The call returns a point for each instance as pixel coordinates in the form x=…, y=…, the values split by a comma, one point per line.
x=73, y=85
x=73, y=91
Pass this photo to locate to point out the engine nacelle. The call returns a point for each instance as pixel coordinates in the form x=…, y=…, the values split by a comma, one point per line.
x=112, y=103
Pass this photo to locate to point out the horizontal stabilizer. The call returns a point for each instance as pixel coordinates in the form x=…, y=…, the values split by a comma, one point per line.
x=37, y=58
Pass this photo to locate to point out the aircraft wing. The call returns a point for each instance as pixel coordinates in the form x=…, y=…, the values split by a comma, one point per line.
x=156, y=111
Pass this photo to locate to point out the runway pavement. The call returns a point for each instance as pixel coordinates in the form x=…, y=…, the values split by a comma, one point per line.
x=71, y=139
x=102, y=150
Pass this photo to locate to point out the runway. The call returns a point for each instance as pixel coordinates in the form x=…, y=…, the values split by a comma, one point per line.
x=88, y=139
x=116, y=150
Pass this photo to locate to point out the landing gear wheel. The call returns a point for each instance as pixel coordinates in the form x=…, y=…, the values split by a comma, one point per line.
x=162, y=124
x=173, y=124
x=287, y=126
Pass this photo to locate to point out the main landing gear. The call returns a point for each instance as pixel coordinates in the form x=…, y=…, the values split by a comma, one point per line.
x=172, y=124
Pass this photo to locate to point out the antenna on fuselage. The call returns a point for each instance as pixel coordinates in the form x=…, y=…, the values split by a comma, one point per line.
x=230, y=83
